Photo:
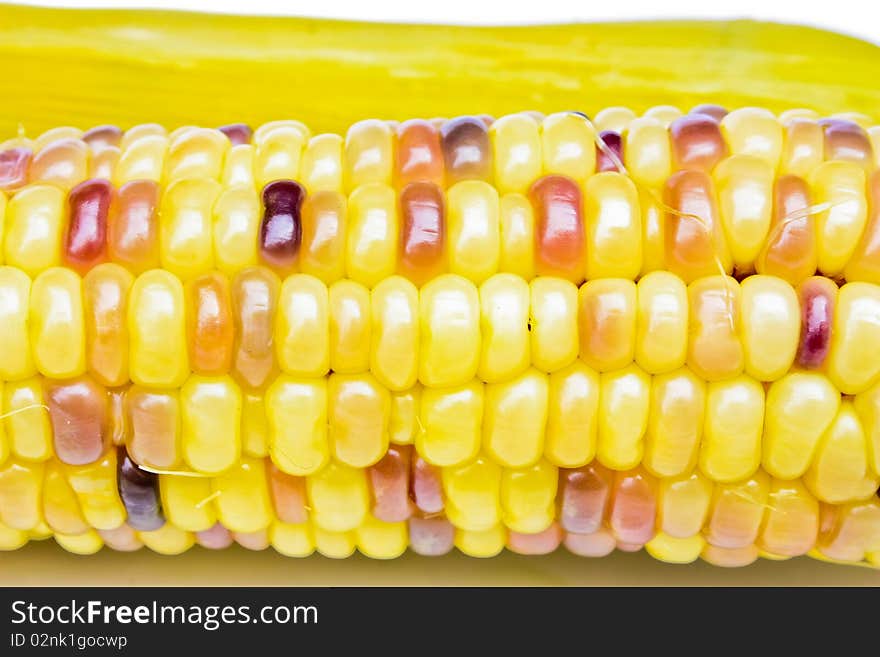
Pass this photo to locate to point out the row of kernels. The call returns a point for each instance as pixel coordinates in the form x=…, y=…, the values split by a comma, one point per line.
x=669, y=422
x=155, y=331
x=630, y=508
x=608, y=228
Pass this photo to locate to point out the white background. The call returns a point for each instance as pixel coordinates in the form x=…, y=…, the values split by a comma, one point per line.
x=856, y=17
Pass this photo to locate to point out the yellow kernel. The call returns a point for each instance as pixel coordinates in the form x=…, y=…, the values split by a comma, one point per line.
x=277, y=154
x=731, y=448
x=675, y=423
x=839, y=194
x=572, y=418
x=186, y=502
x=661, y=322
x=504, y=327
x=57, y=324
x=359, y=412
x=157, y=330
x=199, y=153
x=516, y=150
x=856, y=335
x=528, y=497
x=568, y=145
x=16, y=361
x=372, y=236
x=211, y=423
x=647, y=154
x=473, y=492
x=800, y=408
x=185, y=230
x=369, y=154
x=553, y=318
x=302, y=341
x=745, y=202
x=753, y=131
x=613, y=222
x=297, y=413
x=517, y=236
x=236, y=224
x=473, y=229
x=321, y=168
x=771, y=325
x=394, y=341
x=624, y=401
x=338, y=497
x=515, y=416
x=449, y=346
x=450, y=422
x=242, y=497
x=35, y=220
x=349, y=327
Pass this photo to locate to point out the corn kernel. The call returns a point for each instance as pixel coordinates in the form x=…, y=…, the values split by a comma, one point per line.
x=607, y=323
x=683, y=504
x=473, y=494
x=553, y=322
x=624, y=401
x=57, y=325
x=157, y=330
x=403, y=423
x=731, y=448
x=323, y=236
x=210, y=423
x=714, y=348
x=35, y=220
x=105, y=299
x=96, y=489
x=186, y=502
x=474, y=233
x=737, y=511
x=572, y=418
x=141, y=159
x=675, y=423
x=517, y=157
x=648, y=154
x=27, y=420
x=450, y=421
x=791, y=523
x=359, y=410
x=504, y=321
x=199, y=153
x=154, y=418
x=278, y=154
x=394, y=333
x=369, y=154
x=839, y=471
x=517, y=236
x=242, y=497
x=63, y=162
x=292, y=540
x=753, y=131
x=528, y=497
x=236, y=223
x=372, y=234
x=614, y=227
x=839, y=189
x=613, y=118
x=557, y=207
x=349, y=327
x=515, y=418
x=568, y=145
x=21, y=486
x=856, y=333
x=16, y=361
x=803, y=146
x=449, y=321
x=339, y=497
x=238, y=168
x=297, y=412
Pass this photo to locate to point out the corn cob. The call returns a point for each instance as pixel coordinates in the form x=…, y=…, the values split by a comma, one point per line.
x=629, y=332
